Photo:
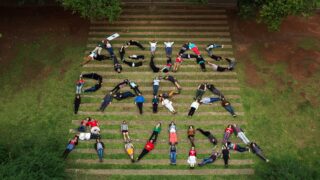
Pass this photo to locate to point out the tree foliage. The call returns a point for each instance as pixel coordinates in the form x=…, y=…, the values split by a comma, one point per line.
x=94, y=9
x=272, y=12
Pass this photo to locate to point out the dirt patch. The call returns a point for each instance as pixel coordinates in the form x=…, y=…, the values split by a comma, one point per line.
x=25, y=25
x=252, y=77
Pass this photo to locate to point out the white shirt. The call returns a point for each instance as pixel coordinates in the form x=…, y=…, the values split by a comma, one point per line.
x=156, y=82
x=168, y=44
x=153, y=44
x=205, y=100
x=195, y=105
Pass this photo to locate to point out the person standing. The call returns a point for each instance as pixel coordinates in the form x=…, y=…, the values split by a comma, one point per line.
x=99, y=147
x=139, y=100
x=173, y=154
x=147, y=148
x=168, y=48
x=153, y=47
x=194, y=106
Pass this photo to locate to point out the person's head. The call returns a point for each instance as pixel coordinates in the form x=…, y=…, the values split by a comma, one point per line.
x=191, y=127
x=76, y=137
x=88, y=119
x=151, y=140
x=192, y=147
x=118, y=70
x=98, y=140
x=229, y=126
x=139, y=94
x=156, y=78
x=78, y=96
x=159, y=124
x=124, y=122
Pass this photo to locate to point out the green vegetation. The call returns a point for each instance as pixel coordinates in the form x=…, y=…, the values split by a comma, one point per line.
x=272, y=12
x=94, y=9
x=283, y=116
x=35, y=105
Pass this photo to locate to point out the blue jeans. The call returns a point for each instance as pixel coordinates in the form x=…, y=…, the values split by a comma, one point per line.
x=155, y=89
x=79, y=88
x=229, y=109
x=168, y=51
x=110, y=50
x=206, y=161
x=82, y=128
x=173, y=157
x=100, y=153
x=214, y=100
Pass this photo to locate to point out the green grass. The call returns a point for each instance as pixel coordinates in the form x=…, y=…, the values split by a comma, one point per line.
x=37, y=95
x=282, y=121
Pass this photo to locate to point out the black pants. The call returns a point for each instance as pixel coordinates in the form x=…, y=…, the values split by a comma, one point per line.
x=132, y=64
x=155, y=108
x=221, y=69
x=216, y=58
x=137, y=58
x=208, y=134
x=140, y=106
x=154, y=136
x=137, y=44
x=66, y=153
x=191, y=112
x=191, y=138
x=103, y=106
x=136, y=90
x=143, y=153
x=153, y=66
x=225, y=156
x=261, y=156
x=77, y=102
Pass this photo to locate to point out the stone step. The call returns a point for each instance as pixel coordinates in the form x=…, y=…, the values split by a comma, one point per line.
x=91, y=113
x=187, y=9
x=197, y=171
x=161, y=39
x=161, y=28
x=179, y=74
x=173, y=16
x=161, y=22
x=158, y=161
x=109, y=31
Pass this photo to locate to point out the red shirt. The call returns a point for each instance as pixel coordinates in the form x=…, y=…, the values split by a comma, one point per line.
x=192, y=153
x=149, y=146
x=92, y=123
x=179, y=59
x=81, y=81
x=196, y=50
x=229, y=130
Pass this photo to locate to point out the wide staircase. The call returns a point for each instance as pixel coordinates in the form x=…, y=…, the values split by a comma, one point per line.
x=144, y=22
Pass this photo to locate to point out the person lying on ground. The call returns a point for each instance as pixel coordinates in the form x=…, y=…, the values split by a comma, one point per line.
x=106, y=101
x=119, y=96
x=84, y=136
x=76, y=103
x=153, y=65
x=99, y=147
x=135, y=43
x=210, y=48
x=212, y=158
x=94, y=88
x=119, y=86
x=236, y=147
x=173, y=80
x=136, y=57
x=240, y=134
x=147, y=148
x=192, y=158
x=214, y=90
x=79, y=85
x=133, y=64
x=225, y=155
x=191, y=133
x=193, y=107
x=128, y=146
x=183, y=49
x=71, y=145
x=83, y=125
x=153, y=47
x=92, y=122
x=125, y=131
x=93, y=56
x=227, y=106
x=258, y=151
x=116, y=65
x=194, y=48
x=95, y=132
x=156, y=131
x=209, y=135
x=122, y=52
x=173, y=154
x=155, y=102
x=227, y=133
x=209, y=100
x=201, y=62
x=177, y=63
x=139, y=100
x=94, y=76
x=168, y=104
x=219, y=68
x=168, y=48
x=168, y=66
x=188, y=56
x=173, y=139
x=155, y=85
x=200, y=91
x=134, y=87
x=108, y=47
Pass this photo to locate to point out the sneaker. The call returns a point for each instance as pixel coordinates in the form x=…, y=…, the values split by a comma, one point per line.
x=234, y=115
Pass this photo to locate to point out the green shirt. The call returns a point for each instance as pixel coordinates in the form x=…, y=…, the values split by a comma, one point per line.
x=157, y=129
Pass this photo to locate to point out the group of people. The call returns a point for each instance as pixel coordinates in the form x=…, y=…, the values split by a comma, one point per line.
x=198, y=99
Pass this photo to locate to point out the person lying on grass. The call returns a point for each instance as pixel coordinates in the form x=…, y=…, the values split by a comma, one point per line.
x=120, y=96
x=153, y=66
x=209, y=100
x=106, y=101
x=168, y=48
x=212, y=158
x=153, y=47
x=134, y=87
x=76, y=103
x=168, y=104
x=227, y=106
x=255, y=149
x=147, y=148
x=119, y=86
x=139, y=100
x=79, y=85
x=191, y=133
x=155, y=102
x=99, y=147
x=128, y=146
x=209, y=135
x=177, y=63
x=173, y=154
x=210, y=49
x=192, y=158
x=220, y=68
x=193, y=107
x=71, y=145
x=155, y=85
x=214, y=90
x=173, y=80
x=135, y=43
x=225, y=155
x=240, y=133
x=156, y=131
x=236, y=147
x=173, y=139
x=125, y=131
x=200, y=91
x=227, y=133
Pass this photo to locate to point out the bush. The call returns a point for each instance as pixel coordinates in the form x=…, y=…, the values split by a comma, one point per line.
x=94, y=9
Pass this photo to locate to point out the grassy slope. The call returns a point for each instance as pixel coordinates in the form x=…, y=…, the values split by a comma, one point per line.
x=37, y=96
x=280, y=119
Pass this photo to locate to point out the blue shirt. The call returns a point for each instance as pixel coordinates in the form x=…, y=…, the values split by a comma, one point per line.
x=139, y=99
